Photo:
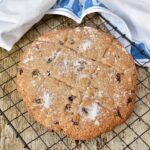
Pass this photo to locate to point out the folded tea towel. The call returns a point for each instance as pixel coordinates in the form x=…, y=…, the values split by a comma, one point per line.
x=18, y=16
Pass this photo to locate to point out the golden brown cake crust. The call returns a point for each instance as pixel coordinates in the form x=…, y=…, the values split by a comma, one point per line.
x=80, y=81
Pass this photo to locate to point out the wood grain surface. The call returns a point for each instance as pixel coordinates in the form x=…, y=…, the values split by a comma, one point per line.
x=132, y=135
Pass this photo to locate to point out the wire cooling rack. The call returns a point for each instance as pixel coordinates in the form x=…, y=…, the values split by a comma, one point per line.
x=134, y=134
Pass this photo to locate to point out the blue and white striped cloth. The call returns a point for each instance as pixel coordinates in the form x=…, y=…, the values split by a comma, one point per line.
x=78, y=9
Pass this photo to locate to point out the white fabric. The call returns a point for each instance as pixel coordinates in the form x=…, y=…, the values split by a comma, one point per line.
x=18, y=16
x=136, y=13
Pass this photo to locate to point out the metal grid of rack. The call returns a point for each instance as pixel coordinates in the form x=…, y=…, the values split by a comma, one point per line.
x=132, y=135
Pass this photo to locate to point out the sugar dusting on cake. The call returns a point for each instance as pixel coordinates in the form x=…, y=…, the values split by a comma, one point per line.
x=82, y=76
x=93, y=111
x=47, y=98
x=65, y=67
x=33, y=83
x=79, y=64
x=28, y=59
x=92, y=32
x=86, y=45
x=86, y=94
x=100, y=93
x=77, y=29
x=97, y=123
x=66, y=64
x=57, y=54
x=63, y=62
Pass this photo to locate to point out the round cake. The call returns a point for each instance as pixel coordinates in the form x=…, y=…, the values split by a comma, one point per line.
x=80, y=81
